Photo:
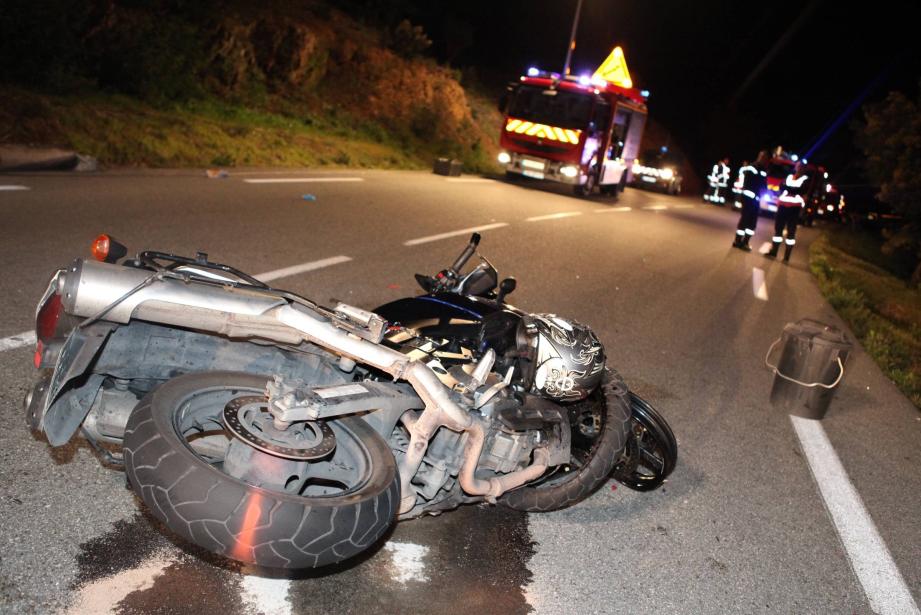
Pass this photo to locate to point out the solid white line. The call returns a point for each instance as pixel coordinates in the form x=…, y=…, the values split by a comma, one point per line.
x=9, y=188
x=608, y=210
x=565, y=214
x=268, y=276
x=656, y=207
x=872, y=563
x=302, y=180
x=26, y=338
x=470, y=180
x=683, y=206
x=759, y=287
x=463, y=231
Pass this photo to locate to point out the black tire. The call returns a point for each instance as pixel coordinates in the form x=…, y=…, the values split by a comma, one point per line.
x=232, y=518
x=652, y=452
x=562, y=489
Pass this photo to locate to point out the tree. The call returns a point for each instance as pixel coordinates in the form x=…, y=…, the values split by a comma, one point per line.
x=890, y=137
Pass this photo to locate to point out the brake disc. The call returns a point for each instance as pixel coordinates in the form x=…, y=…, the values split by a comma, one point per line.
x=248, y=418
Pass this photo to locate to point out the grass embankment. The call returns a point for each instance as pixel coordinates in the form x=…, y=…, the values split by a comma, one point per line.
x=123, y=131
x=884, y=313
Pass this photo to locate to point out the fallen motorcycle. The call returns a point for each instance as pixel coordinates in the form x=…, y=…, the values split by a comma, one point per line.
x=269, y=429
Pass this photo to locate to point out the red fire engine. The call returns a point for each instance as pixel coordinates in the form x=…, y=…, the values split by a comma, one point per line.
x=584, y=131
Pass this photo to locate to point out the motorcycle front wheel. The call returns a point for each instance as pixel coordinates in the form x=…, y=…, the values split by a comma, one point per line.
x=600, y=426
x=215, y=490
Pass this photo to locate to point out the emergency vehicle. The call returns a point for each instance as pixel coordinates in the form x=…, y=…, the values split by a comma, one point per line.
x=579, y=130
x=778, y=170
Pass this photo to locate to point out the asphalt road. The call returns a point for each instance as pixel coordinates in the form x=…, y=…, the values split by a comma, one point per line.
x=745, y=525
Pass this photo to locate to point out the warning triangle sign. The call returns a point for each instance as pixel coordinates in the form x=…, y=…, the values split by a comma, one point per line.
x=614, y=69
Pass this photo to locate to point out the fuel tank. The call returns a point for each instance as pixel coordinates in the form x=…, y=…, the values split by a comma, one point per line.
x=475, y=322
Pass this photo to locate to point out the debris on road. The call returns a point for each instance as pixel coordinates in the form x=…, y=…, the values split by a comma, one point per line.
x=309, y=197
x=216, y=174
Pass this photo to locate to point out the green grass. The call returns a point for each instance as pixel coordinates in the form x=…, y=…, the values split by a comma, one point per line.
x=122, y=131
x=884, y=313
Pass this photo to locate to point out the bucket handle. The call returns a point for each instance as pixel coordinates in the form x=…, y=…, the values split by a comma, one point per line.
x=804, y=384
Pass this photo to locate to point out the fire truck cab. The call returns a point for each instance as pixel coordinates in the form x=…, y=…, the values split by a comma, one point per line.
x=583, y=131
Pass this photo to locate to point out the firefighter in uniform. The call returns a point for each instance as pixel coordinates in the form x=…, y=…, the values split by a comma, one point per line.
x=719, y=180
x=789, y=205
x=752, y=179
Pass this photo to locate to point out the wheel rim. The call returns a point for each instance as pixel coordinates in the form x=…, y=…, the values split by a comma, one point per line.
x=197, y=422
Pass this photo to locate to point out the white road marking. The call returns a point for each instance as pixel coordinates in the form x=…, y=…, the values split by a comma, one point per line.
x=608, y=210
x=26, y=338
x=564, y=214
x=301, y=180
x=407, y=561
x=10, y=188
x=463, y=231
x=470, y=180
x=102, y=596
x=683, y=206
x=656, y=207
x=759, y=287
x=265, y=595
x=872, y=563
x=765, y=247
x=268, y=276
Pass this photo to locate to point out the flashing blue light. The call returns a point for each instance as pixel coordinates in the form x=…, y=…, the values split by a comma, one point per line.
x=533, y=71
x=644, y=93
x=805, y=161
x=585, y=80
x=794, y=157
x=664, y=149
x=555, y=75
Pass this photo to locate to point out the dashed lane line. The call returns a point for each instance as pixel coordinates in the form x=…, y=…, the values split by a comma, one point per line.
x=608, y=210
x=463, y=231
x=759, y=286
x=563, y=214
x=12, y=188
x=871, y=561
x=26, y=338
x=285, y=272
x=470, y=180
x=301, y=180
x=656, y=207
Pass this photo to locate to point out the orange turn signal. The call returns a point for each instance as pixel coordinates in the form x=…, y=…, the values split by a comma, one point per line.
x=100, y=248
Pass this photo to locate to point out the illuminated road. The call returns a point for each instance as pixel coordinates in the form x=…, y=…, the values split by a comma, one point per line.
x=741, y=527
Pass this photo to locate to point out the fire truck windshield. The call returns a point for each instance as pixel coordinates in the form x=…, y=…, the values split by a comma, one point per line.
x=552, y=107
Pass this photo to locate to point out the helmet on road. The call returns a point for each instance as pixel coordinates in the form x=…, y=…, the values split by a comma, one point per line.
x=568, y=358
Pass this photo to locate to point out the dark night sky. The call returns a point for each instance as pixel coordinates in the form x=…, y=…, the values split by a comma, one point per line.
x=695, y=56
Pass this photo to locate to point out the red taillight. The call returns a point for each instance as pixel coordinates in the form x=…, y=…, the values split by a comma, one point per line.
x=39, y=354
x=100, y=248
x=48, y=316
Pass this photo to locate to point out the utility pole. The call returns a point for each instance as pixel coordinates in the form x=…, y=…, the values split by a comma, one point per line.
x=572, y=38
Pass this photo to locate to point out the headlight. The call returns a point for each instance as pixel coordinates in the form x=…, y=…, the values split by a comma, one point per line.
x=504, y=158
x=667, y=173
x=569, y=171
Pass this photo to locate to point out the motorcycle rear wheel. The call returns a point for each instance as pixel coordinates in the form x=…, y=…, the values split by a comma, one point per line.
x=265, y=525
x=600, y=426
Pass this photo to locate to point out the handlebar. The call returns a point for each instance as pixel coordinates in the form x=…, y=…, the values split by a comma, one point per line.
x=466, y=254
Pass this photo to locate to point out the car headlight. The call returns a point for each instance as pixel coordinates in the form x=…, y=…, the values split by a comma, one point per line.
x=667, y=173
x=569, y=171
x=504, y=158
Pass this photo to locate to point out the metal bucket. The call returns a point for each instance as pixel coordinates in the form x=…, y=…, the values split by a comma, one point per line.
x=809, y=369
x=445, y=166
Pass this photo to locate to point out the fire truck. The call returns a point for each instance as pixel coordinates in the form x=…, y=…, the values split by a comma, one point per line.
x=584, y=131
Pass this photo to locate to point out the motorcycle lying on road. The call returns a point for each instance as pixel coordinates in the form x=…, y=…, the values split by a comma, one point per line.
x=269, y=429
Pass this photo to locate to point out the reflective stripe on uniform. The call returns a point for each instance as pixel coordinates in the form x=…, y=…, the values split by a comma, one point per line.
x=749, y=231
x=776, y=238
x=791, y=242
x=740, y=232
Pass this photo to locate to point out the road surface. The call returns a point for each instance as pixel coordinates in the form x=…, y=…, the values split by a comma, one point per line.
x=762, y=515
